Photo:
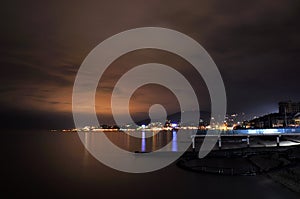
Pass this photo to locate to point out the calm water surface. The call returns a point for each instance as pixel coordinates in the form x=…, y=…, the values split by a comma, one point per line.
x=46, y=165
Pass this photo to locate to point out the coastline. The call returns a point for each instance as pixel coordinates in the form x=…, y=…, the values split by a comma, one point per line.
x=282, y=165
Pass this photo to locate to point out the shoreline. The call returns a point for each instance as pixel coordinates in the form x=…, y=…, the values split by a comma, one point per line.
x=282, y=165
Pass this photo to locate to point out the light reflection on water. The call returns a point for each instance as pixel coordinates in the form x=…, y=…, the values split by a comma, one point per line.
x=162, y=142
x=149, y=141
x=174, y=142
x=143, y=145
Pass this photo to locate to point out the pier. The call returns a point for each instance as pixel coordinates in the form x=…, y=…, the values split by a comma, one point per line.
x=250, y=140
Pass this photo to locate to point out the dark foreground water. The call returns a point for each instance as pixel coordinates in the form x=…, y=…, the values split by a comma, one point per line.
x=50, y=165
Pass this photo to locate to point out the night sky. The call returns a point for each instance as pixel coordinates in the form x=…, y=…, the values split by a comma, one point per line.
x=255, y=45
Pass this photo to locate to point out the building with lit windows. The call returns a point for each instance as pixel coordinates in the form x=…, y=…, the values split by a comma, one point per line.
x=288, y=115
x=289, y=107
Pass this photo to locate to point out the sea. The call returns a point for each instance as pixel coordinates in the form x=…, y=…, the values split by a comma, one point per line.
x=44, y=164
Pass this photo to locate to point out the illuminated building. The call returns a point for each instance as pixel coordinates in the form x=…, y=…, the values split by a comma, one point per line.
x=289, y=107
x=288, y=115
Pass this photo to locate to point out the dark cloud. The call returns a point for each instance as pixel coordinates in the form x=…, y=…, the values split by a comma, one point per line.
x=255, y=44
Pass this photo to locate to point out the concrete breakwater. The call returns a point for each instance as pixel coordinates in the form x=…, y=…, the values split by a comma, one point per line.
x=280, y=164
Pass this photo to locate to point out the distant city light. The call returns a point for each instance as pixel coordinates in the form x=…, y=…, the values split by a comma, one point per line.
x=174, y=125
